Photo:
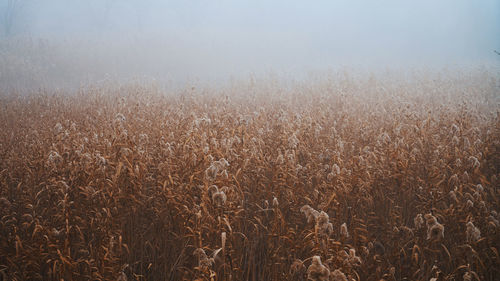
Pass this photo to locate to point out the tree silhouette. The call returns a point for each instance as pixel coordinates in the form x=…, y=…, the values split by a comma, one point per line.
x=11, y=12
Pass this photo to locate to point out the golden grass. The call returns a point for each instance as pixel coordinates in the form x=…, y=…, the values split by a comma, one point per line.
x=401, y=180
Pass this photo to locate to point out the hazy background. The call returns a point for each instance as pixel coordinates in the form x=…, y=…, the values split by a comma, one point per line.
x=59, y=43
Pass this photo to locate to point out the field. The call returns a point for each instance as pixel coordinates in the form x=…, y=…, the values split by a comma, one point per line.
x=345, y=177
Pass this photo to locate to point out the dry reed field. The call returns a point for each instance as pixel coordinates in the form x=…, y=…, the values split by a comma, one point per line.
x=341, y=178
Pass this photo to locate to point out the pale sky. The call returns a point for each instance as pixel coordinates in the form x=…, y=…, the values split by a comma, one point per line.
x=218, y=38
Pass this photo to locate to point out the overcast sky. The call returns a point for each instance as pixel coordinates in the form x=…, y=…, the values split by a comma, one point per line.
x=217, y=38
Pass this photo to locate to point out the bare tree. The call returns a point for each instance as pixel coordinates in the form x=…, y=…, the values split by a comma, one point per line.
x=12, y=12
x=9, y=15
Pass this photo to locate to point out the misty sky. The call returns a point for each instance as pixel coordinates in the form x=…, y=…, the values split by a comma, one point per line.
x=203, y=38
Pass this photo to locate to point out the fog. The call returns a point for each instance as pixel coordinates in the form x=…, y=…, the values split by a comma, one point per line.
x=59, y=43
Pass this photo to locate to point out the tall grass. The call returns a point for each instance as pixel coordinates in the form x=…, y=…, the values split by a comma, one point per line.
x=401, y=178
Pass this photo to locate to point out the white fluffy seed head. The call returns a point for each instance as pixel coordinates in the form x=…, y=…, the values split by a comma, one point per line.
x=275, y=202
x=317, y=271
x=219, y=198
x=418, y=221
x=430, y=220
x=310, y=213
x=343, y=230
x=435, y=232
x=322, y=218
x=473, y=233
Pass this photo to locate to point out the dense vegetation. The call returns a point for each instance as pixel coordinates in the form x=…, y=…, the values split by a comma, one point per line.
x=344, y=178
